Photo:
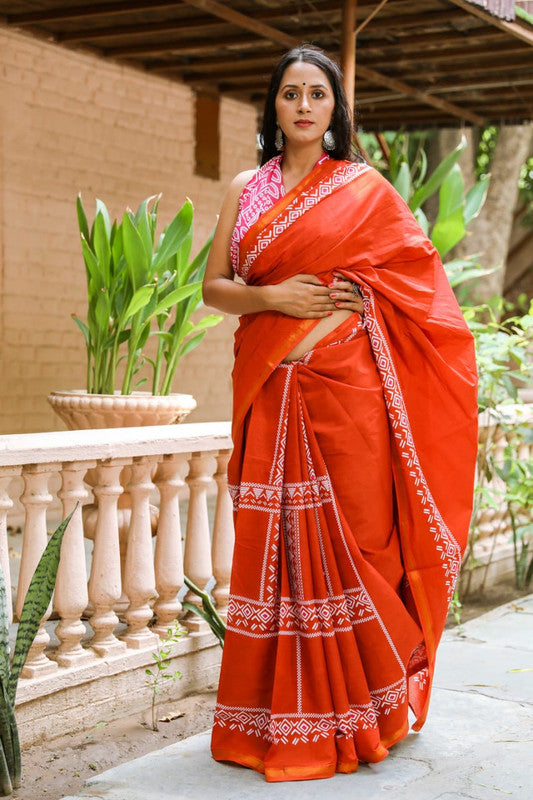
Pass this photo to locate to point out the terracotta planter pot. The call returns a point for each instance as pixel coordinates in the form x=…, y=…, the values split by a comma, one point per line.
x=80, y=410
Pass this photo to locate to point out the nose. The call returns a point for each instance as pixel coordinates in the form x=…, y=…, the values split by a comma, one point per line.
x=304, y=104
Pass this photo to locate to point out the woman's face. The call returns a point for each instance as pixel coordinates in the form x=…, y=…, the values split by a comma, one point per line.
x=304, y=103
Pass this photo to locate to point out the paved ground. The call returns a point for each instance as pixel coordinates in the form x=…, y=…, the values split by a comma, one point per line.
x=476, y=744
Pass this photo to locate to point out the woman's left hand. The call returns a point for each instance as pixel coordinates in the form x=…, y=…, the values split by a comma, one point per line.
x=343, y=295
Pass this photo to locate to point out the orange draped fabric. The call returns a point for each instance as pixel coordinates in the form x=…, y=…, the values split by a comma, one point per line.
x=352, y=478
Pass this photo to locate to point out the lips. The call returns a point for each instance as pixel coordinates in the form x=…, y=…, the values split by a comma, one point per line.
x=304, y=124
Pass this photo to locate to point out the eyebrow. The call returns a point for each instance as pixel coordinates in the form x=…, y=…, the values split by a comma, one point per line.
x=296, y=86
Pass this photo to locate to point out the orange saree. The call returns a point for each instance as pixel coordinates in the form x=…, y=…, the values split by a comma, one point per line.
x=352, y=477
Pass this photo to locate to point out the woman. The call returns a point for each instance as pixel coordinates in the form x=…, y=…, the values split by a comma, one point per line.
x=354, y=432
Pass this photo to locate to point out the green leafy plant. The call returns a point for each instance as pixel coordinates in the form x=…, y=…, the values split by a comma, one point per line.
x=457, y=208
x=137, y=288
x=503, y=350
x=36, y=602
x=208, y=611
x=159, y=674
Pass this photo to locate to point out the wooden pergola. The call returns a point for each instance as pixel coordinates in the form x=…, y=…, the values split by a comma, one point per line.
x=409, y=63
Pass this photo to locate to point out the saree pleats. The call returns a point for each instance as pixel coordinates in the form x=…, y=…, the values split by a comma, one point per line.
x=315, y=665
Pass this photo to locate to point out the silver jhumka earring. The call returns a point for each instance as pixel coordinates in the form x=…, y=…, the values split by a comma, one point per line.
x=278, y=139
x=328, y=140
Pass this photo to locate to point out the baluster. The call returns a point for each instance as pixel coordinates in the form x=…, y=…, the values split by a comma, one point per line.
x=71, y=597
x=140, y=575
x=105, y=584
x=197, y=561
x=35, y=499
x=223, y=534
x=6, y=474
x=168, y=550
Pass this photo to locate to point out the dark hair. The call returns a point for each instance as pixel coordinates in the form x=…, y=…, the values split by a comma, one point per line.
x=341, y=121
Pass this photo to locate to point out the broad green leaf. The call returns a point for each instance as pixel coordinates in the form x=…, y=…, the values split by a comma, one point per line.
x=82, y=218
x=139, y=300
x=142, y=224
x=174, y=235
x=83, y=328
x=134, y=252
x=102, y=312
x=101, y=246
x=448, y=232
x=196, y=268
x=36, y=602
x=102, y=209
x=117, y=250
x=451, y=193
x=93, y=268
x=176, y=296
x=192, y=343
x=208, y=321
x=402, y=182
x=475, y=198
x=183, y=253
x=436, y=177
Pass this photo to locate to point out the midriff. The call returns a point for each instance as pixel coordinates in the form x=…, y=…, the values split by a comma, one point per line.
x=324, y=326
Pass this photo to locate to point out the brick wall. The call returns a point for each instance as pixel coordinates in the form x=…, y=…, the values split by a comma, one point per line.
x=70, y=122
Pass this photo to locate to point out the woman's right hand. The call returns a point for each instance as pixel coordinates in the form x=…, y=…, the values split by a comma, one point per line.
x=301, y=296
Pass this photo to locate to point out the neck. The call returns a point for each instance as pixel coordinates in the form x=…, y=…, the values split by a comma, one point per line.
x=301, y=160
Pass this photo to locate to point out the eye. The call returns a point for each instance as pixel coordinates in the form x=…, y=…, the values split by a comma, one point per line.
x=290, y=94
x=318, y=94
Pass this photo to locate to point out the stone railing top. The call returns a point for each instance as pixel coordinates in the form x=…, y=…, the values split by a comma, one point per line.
x=86, y=445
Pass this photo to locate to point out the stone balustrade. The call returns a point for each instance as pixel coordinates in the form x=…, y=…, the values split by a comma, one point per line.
x=129, y=484
x=113, y=600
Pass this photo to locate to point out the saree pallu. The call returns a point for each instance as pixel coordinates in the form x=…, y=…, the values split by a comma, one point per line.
x=352, y=477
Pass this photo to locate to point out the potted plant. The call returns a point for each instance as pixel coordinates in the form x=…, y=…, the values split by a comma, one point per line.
x=139, y=287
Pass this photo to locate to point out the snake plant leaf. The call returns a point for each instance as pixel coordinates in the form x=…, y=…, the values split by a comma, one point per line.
x=6, y=787
x=83, y=225
x=136, y=259
x=15, y=741
x=174, y=235
x=437, y=176
x=4, y=631
x=36, y=602
x=9, y=737
x=176, y=296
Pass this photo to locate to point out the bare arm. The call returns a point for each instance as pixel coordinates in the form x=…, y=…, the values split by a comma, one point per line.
x=302, y=296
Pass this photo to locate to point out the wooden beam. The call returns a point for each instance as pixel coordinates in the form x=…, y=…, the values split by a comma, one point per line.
x=184, y=46
x=87, y=11
x=185, y=23
x=425, y=98
x=244, y=21
x=348, y=49
x=517, y=29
